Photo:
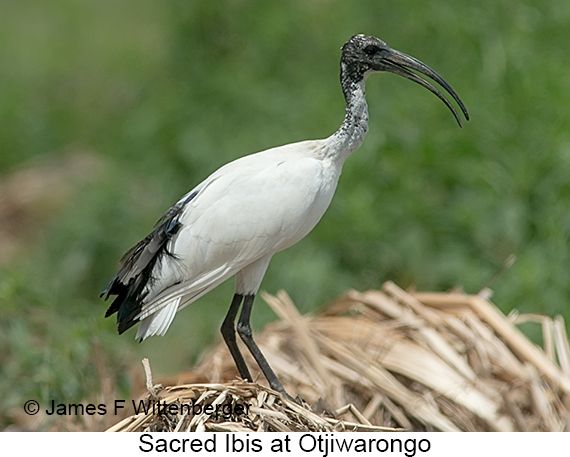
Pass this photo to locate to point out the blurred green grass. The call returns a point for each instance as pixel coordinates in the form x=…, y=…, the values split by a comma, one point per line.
x=166, y=92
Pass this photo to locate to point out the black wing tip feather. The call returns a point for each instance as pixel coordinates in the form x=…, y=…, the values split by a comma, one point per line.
x=129, y=297
x=127, y=304
x=110, y=311
x=123, y=326
x=114, y=288
x=126, y=309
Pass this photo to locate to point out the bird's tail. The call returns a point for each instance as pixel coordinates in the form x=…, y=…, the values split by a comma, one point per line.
x=158, y=323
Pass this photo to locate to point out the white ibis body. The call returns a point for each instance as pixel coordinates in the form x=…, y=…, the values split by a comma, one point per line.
x=233, y=222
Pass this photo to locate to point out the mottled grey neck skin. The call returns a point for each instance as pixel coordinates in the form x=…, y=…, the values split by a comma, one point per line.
x=352, y=131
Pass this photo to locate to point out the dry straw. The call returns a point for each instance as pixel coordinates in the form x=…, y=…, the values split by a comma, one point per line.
x=384, y=360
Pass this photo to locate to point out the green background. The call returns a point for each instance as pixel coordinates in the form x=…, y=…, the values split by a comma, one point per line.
x=156, y=95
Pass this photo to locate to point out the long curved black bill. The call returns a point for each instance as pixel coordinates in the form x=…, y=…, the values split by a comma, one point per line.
x=399, y=63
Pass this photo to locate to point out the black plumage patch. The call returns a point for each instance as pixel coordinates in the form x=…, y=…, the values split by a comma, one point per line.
x=129, y=283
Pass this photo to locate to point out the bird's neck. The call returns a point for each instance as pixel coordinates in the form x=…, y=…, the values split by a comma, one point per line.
x=352, y=131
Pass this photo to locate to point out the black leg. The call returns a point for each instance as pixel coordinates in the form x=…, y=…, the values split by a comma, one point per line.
x=244, y=330
x=229, y=334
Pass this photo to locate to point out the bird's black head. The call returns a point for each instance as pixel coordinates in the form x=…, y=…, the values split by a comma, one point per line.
x=363, y=55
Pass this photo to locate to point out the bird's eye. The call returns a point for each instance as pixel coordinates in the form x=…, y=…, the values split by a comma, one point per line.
x=371, y=49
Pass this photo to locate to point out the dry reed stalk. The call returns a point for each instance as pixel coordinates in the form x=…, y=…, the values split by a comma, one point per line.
x=386, y=360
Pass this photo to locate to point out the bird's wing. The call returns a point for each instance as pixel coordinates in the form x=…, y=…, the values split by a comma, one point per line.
x=130, y=284
x=250, y=211
x=254, y=206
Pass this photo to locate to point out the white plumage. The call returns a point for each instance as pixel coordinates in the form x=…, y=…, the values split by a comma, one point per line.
x=233, y=222
x=242, y=214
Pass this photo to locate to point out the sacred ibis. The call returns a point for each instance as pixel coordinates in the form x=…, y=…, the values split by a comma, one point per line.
x=234, y=221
